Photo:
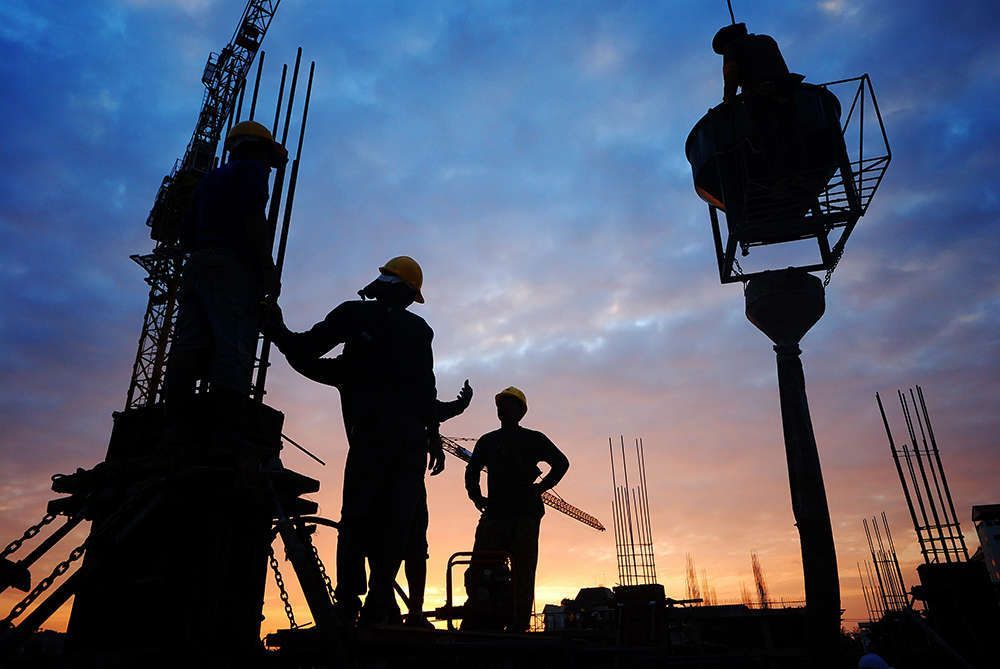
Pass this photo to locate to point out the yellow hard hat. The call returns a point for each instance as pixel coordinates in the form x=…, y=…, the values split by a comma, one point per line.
x=251, y=131
x=408, y=270
x=515, y=393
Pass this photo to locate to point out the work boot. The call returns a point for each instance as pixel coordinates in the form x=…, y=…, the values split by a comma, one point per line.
x=419, y=620
x=345, y=611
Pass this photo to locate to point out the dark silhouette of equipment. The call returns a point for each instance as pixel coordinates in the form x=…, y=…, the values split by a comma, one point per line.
x=489, y=585
x=182, y=528
x=780, y=169
x=633, y=529
x=550, y=498
x=775, y=160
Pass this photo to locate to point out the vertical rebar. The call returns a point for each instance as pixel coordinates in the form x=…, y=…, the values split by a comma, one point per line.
x=256, y=86
x=281, y=95
x=923, y=476
x=944, y=479
x=895, y=559
x=239, y=101
x=934, y=477
x=614, y=510
x=878, y=575
x=902, y=479
x=645, y=495
x=864, y=593
x=291, y=96
x=922, y=531
x=628, y=506
x=279, y=262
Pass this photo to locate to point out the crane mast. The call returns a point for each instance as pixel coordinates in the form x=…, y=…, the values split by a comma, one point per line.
x=224, y=75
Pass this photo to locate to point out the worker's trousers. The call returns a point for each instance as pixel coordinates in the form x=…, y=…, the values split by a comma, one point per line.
x=217, y=324
x=517, y=535
x=383, y=485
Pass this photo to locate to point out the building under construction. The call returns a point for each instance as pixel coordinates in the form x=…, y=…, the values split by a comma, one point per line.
x=229, y=493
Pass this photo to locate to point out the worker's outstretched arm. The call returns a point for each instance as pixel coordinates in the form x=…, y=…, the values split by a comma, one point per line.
x=448, y=410
x=329, y=371
x=472, y=472
x=317, y=340
x=558, y=466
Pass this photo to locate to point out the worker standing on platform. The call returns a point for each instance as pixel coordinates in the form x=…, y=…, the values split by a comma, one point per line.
x=388, y=399
x=513, y=511
x=229, y=272
x=331, y=371
x=750, y=62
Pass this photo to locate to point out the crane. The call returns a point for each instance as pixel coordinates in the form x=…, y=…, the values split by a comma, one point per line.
x=224, y=77
x=549, y=497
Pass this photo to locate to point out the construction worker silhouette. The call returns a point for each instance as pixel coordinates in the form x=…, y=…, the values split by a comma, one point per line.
x=512, y=513
x=750, y=62
x=229, y=271
x=331, y=371
x=388, y=400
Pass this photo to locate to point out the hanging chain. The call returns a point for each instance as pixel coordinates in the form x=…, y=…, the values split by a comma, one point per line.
x=281, y=587
x=829, y=272
x=322, y=571
x=45, y=583
x=29, y=533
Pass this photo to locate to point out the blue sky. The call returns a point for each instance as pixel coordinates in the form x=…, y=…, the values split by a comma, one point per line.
x=530, y=155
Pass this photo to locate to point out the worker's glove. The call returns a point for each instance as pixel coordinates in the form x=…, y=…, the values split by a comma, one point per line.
x=465, y=394
x=272, y=321
x=272, y=282
x=435, y=459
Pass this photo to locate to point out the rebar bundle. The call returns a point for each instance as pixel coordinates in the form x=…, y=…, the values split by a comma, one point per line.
x=882, y=586
x=633, y=529
x=922, y=477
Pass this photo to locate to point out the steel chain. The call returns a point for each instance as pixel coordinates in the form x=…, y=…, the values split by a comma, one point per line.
x=833, y=266
x=45, y=583
x=322, y=572
x=281, y=587
x=29, y=533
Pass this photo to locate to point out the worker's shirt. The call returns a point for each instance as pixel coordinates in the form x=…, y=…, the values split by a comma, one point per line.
x=229, y=213
x=333, y=372
x=511, y=457
x=386, y=372
x=752, y=61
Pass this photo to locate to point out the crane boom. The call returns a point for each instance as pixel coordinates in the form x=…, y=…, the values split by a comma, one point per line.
x=224, y=75
x=451, y=445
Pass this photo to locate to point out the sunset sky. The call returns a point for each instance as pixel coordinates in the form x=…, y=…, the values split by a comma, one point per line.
x=530, y=156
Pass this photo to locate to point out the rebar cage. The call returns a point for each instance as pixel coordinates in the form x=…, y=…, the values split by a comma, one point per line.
x=774, y=206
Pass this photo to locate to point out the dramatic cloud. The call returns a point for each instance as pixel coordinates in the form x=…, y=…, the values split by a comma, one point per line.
x=530, y=155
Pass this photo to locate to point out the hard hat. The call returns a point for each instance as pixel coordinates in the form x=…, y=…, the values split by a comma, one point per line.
x=408, y=270
x=516, y=393
x=727, y=35
x=251, y=131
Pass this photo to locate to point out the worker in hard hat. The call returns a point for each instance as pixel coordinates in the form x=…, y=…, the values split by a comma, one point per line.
x=512, y=513
x=227, y=274
x=331, y=371
x=388, y=400
x=750, y=62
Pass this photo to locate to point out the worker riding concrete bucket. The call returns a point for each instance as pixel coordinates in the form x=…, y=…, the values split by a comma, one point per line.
x=512, y=514
x=228, y=273
x=765, y=154
x=389, y=402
